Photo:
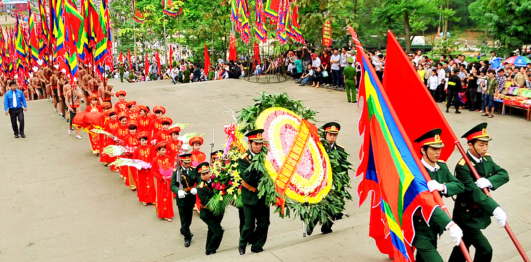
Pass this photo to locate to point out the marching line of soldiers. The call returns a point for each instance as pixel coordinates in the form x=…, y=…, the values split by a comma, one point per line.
x=472, y=210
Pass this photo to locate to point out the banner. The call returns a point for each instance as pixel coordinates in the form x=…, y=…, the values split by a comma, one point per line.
x=327, y=33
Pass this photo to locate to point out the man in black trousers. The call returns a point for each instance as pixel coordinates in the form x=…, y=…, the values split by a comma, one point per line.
x=14, y=105
x=454, y=87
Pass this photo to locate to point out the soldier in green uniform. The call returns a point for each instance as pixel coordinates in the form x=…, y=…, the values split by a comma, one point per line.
x=442, y=180
x=331, y=132
x=255, y=209
x=205, y=193
x=349, y=74
x=473, y=208
x=185, y=191
x=121, y=68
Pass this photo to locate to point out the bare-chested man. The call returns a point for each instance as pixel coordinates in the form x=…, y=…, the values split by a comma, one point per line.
x=47, y=74
x=42, y=83
x=105, y=93
x=73, y=102
x=3, y=84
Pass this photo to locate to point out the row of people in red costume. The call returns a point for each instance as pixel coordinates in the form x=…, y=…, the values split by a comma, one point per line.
x=147, y=137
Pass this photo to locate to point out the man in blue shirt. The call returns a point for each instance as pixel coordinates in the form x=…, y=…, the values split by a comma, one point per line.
x=14, y=105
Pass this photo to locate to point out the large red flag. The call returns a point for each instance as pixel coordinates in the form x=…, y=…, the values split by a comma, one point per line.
x=146, y=66
x=121, y=59
x=207, y=61
x=129, y=58
x=171, y=56
x=232, y=48
x=158, y=62
x=399, y=74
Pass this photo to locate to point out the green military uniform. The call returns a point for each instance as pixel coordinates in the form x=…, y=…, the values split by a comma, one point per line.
x=326, y=228
x=121, y=68
x=473, y=208
x=189, y=178
x=350, y=81
x=426, y=234
x=215, y=231
x=186, y=76
x=256, y=210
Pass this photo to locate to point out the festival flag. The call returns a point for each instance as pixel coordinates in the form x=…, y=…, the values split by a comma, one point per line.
x=232, y=47
x=34, y=42
x=272, y=9
x=100, y=29
x=121, y=59
x=398, y=69
x=390, y=169
x=129, y=58
x=168, y=6
x=171, y=56
x=157, y=58
x=207, y=61
x=137, y=14
x=327, y=33
x=256, y=57
x=354, y=36
x=146, y=66
x=295, y=24
x=283, y=14
x=260, y=22
x=44, y=20
x=77, y=28
x=58, y=29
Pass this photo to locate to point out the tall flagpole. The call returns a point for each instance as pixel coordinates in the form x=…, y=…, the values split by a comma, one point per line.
x=165, y=46
x=50, y=34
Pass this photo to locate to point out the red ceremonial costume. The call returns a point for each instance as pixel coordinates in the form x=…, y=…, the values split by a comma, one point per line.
x=156, y=124
x=94, y=138
x=110, y=127
x=130, y=143
x=145, y=185
x=131, y=113
x=162, y=169
x=144, y=122
x=197, y=157
x=121, y=106
x=120, y=133
x=104, y=158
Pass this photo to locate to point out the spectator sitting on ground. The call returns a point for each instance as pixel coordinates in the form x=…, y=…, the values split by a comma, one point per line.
x=306, y=77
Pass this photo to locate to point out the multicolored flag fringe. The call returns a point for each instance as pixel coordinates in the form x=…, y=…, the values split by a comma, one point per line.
x=168, y=6
x=282, y=21
x=260, y=22
x=272, y=9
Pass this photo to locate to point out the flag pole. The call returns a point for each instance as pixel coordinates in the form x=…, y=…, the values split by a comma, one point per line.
x=50, y=33
x=435, y=194
x=165, y=45
x=486, y=191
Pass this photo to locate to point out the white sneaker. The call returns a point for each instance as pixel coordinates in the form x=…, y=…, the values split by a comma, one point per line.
x=78, y=137
x=69, y=131
x=55, y=109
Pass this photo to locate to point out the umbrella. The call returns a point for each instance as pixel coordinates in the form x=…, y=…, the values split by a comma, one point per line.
x=94, y=120
x=518, y=61
x=78, y=120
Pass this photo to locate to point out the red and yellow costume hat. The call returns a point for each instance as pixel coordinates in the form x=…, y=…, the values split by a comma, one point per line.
x=479, y=132
x=130, y=103
x=132, y=123
x=175, y=129
x=255, y=136
x=159, y=109
x=161, y=145
x=432, y=139
x=93, y=96
x=196, y=139
x=143, y=107
x=332, y=128
x=121, y=93
x=203, y=168
x=106, y=105
x=121, y=115
x=112, y=111
x=166, y=120
x=186, y=158
x=143, y=134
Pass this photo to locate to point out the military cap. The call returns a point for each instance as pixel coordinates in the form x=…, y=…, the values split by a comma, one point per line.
x=203, y=167
x=255, y=136
x=478, y=132
x=332, y=127
x=431, y=138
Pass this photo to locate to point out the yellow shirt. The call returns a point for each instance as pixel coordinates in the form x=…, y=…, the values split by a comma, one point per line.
x=421, y=74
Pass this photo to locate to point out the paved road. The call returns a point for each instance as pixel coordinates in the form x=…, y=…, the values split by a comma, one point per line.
x=58, y=203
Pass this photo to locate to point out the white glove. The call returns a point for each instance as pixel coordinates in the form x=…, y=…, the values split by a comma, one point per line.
x=434, y=185
x=193, y=191
x=483, y=183
x=456, y=233
x=500, y=215
x=181, y=194
x=154, y=141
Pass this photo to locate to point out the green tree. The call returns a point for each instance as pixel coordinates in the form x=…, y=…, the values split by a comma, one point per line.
x=507, y=21
x=416, y=16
